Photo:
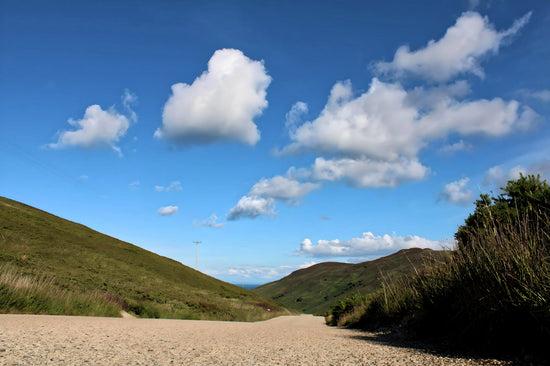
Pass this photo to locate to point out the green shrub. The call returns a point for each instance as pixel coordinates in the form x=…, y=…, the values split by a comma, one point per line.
x=493, y=291
x=345, y=307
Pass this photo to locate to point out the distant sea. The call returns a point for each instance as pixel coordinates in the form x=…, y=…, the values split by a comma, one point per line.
x=247, y=286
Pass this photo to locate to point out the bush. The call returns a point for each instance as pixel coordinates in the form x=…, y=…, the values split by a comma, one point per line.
x=492, y=293
x=345, y=307
x=526, y=199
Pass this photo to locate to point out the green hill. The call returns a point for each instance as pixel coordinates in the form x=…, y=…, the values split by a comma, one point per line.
x=315, y=289
x=53, y=266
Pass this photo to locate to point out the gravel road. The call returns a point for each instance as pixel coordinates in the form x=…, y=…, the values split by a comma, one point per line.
x=289, y=340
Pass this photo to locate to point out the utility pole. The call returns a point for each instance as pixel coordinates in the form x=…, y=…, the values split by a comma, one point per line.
x=197, y=255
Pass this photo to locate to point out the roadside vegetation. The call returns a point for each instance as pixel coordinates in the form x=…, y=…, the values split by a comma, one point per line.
x=49, y=265
x=492, y=293
x=24, y=294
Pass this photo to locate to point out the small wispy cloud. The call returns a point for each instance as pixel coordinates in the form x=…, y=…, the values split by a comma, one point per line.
x=252, y=207
x=167, y=210
x=499, y=175
x=129, y=99
x=295, y=115
x=457, y=193
x=173, y=187
x=542, y=95
x=211, y=222
x=134, y=185
x=457, y=146
x=264, y=272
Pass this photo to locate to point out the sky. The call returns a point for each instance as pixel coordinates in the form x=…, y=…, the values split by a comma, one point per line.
x=279, y=134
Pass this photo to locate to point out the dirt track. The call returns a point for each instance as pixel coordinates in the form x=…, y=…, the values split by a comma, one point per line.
x=291, y=340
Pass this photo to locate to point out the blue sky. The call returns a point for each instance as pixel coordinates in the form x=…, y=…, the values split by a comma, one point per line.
x=278, y=134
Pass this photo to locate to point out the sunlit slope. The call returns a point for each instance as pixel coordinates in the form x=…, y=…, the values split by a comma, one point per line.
x=315, y=289
x=57, y=258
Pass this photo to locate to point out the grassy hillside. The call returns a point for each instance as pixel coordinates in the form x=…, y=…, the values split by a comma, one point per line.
x=315, y=289
x=51, y=265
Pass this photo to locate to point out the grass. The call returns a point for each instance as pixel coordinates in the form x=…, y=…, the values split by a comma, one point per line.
x=316, y=288
x=24, y=294
x=492, y=294
x=59, y=259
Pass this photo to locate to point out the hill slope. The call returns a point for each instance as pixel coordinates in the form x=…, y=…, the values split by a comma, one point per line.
x=315, y=289
x=51, y=265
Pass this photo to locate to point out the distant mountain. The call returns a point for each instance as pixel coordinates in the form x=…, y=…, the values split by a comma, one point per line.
x=315, y=289
x=54, y=266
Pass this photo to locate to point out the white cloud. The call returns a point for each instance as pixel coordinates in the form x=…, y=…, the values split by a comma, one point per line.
x=456, y=192
x=424, y=98
x=377, y=124
x=265, y=272
x=281, y=188
x=366, y=245
x=128, y=99
x=83, y=177
x=134, y=185
x=542, y=168
x=374, y=139
x=173, y=187
x=472, y=4
x=261, y=197
x=368, y=173
x=220, y=104
x=385, y=124
x=542, y=95
x=168, y=210
x=298, y=173
x=379, y=134
x=295, y=115
x=308, y=264
x=457, y=146
x=499, y=175
x=494, y=117
x=212, y=222
x=252, y=207
x=98, y=128
x=459, y=51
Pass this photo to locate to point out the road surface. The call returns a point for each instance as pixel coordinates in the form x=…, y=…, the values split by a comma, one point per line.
x=289, y=340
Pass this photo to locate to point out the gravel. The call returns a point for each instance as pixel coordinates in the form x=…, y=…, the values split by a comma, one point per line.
x=288, y=340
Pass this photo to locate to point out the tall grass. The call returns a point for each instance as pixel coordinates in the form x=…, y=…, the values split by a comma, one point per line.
x=491, y=294
x=21, y=293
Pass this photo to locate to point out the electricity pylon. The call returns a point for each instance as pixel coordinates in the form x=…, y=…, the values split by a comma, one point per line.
x=197, y=255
